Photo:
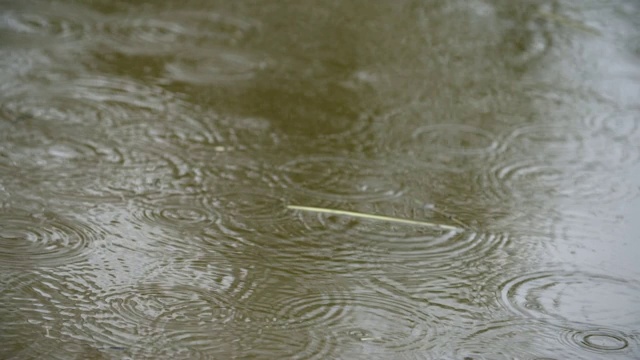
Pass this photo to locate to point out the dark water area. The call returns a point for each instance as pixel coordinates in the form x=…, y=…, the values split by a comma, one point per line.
x=150, y=153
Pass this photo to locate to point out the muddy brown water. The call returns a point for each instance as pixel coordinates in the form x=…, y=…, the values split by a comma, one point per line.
x=149, y=153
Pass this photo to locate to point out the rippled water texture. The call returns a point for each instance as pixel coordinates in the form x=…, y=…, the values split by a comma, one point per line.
x=150, y=153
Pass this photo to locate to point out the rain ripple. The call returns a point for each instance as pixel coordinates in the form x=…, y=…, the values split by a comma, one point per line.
x=139, y=316
x=78, y=168
x=254, y=341
x=20, y=305
x=203, y=45
x=528, y=36
x=343, y=244
x=15, y=65
x=56, y=308
x=262, y=220
x=605, y=342
x=439, y=143
x=201, y=305
x=535, y=179
x=415, y=244
x=145, y=174
x=217, y=134
x=615, y=137
x=515, y=339
x=214, y=66
x=574, y=299
x=248, y=211
x=45, y=239
x=90, y=100
x=618, y=125
x=224, y=170
x=56, y=108
x=161, y=348
x=573, y=146
x=159, y=33
x=34, y=150
x=137, y=98
x=52, y=19
x=182, y=211
x=423, y=248
x=158, y=306
x=456, y=139
x=246, y=330
x=342, y=179
x=384, y=322
x=94, y=307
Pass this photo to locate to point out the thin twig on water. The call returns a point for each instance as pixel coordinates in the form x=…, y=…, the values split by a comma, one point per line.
x=372, y=217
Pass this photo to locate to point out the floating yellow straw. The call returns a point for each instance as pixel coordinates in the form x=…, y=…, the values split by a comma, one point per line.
x=371, y=217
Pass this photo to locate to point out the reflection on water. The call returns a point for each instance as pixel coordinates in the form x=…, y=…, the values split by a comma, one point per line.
x=148, y=153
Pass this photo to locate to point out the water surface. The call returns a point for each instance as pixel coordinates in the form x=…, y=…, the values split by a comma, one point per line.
x=149, y=153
